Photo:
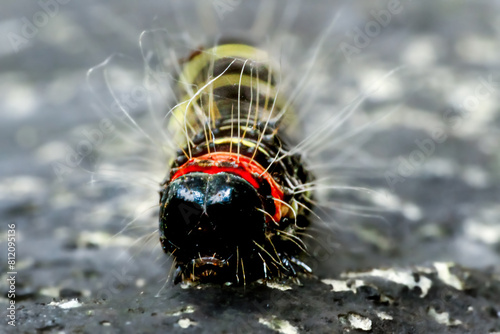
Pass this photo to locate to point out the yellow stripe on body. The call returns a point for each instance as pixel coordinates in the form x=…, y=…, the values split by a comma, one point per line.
x=236, y=141
x=230, y=80
x=193, y=68
x=189, y=80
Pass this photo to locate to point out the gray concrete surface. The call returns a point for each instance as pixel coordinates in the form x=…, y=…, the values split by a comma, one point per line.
x=431, y=159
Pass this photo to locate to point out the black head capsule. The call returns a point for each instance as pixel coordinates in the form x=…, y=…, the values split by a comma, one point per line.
x=213, y=225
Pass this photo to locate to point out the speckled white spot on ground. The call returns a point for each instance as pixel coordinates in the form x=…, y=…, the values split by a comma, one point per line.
x=359, y=322
x=425, y=270
x=421, y=52
x=141, y=282
x=484, y=226
x=281, y=326
x=386, y=299
x=384, y=316
x=443, y=318
x=431, y=230
x=20, y=186
x=104, y=239
x=443, y=168
x=186, y=322
x=392, y=202
x=397, y=276
x=74, y=303
x=18, y=100
x=62, y=88
x=337, y=285
x=474, y=100
x=63, y=199
x=379, y=86
x=443, y=271
x=343, y=285
x=282, y=287
x=51, y=152
x=185, y=310
x=477, y=48
x=384, y=198
x=50, y=292
x=186, y=285
x=475, y=177
x=412, y=212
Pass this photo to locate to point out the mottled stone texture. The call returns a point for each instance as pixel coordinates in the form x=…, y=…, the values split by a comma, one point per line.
x=428, y=262
x=365, y=303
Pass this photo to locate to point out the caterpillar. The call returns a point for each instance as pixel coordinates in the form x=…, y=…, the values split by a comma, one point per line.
x=230, y=209
x=246, y=140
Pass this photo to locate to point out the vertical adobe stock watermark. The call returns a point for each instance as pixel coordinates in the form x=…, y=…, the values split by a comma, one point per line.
x=452, y=118
x=362, y=37
x=11, y=274
x=30, y=28
x=223, y=7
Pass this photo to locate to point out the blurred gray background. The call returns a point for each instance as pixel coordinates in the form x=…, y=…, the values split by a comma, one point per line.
x=439, y=147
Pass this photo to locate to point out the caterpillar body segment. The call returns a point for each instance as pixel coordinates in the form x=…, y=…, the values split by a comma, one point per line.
x=229, y=209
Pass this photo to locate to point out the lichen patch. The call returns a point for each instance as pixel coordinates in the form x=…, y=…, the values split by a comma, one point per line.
x=443, y=318
x=281, y=326
x=404, y=277
x=444, y=274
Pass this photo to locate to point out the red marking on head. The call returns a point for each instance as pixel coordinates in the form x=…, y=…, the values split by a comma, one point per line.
x=246, y=168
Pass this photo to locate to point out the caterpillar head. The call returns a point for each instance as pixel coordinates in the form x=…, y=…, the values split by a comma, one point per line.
x=213, y=225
